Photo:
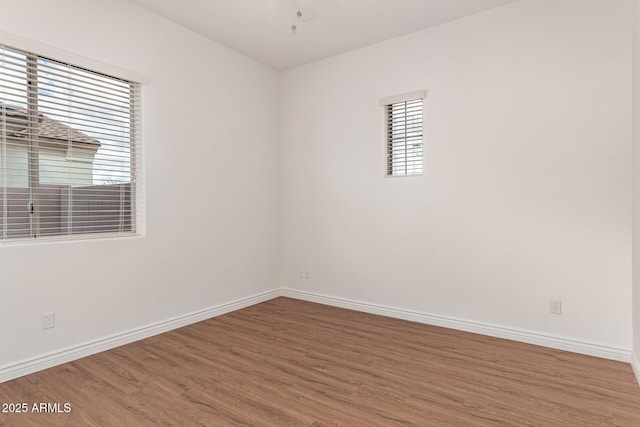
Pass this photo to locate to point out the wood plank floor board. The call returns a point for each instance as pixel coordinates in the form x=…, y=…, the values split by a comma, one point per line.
x=293, y=363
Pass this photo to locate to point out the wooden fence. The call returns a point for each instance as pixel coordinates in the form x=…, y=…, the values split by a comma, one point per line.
x=65, y=210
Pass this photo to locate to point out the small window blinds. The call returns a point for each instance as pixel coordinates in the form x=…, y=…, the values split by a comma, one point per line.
x=68, y=149
x=404, y=128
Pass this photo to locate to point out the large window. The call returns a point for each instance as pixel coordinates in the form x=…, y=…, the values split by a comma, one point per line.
x=67, y=149
x=404, y=139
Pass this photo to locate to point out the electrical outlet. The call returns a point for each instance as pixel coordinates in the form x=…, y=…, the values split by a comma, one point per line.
x=555, y=306
x=48, y=320
x=300, y=273
x=307, y=275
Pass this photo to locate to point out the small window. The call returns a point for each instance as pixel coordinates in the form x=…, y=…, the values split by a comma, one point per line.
x=403, y=120
x=68, y=149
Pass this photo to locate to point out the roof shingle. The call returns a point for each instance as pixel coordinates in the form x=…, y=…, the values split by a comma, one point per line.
x=47, y=128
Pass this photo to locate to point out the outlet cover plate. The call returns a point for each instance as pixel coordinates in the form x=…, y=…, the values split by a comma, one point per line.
x=48, y=320
x=555, y=306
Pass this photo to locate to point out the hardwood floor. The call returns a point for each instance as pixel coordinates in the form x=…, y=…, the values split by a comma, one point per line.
x=294, y=363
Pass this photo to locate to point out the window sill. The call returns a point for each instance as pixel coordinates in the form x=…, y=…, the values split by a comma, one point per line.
x=71, y=239
x=404, y=176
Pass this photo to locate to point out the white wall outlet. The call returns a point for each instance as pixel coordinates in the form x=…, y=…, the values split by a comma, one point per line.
x=48, y=320
x=555, y=306
x=300, y=273
x=307, y=275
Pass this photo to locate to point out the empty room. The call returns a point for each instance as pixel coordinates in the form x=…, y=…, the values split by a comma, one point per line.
x=320, y=213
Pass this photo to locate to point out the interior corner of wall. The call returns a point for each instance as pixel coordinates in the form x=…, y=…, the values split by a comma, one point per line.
x=635, y=365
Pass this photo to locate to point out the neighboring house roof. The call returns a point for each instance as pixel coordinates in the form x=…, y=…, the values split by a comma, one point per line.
x=47, y=128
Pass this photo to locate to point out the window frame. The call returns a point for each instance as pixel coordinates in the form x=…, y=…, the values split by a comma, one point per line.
x=136, y=81
x=387, y=103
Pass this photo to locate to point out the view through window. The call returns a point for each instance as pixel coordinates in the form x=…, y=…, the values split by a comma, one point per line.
x=404, y=136
x=67, y=149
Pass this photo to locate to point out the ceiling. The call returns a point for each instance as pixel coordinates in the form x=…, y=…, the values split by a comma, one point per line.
x=261, y=29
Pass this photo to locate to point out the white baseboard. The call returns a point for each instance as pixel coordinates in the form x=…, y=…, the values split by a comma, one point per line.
x=38, y=363
x=69, y=354
x=635, y=365
x=530, y=337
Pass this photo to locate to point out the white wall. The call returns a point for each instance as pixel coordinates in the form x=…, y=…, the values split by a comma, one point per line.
x=636, y=190
x=526, y=194
x=210, y=147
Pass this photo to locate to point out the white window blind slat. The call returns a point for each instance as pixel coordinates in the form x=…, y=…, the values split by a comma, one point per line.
x=404, y=133
x=69, y=146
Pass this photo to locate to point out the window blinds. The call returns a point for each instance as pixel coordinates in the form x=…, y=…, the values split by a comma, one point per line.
x=68, y=149
x=404, y=133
